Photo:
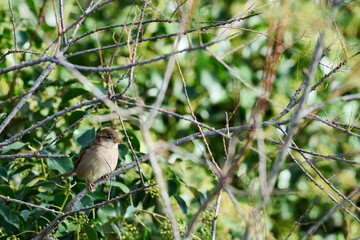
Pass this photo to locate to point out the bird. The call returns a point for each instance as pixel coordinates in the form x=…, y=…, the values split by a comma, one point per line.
x=98, y=158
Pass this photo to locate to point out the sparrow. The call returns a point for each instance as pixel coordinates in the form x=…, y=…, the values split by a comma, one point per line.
x=98, y=158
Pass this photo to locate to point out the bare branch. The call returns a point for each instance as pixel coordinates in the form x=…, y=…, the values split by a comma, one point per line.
x=13, y=23
x=298, y=113
x=8, y=199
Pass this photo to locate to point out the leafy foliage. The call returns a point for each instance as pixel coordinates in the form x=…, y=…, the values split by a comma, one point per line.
x=232, y=72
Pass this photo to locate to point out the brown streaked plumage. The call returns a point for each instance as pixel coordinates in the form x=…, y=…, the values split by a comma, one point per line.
x=98, y=158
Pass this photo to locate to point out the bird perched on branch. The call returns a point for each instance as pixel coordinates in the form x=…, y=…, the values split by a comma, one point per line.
x=98, y=158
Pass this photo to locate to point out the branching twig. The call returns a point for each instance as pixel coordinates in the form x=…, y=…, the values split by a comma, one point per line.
x=298, y=113
x=303, y=216
x=8, y=199
x=56, y=222
x=33, y=155
x=136, y=41
x=130, y=145
x=13, y=23
x=217, y=208
x=194, y=117
x=314, y=227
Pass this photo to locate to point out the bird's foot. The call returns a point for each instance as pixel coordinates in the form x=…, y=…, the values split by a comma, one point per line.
x=91, y=186
x=107, y=176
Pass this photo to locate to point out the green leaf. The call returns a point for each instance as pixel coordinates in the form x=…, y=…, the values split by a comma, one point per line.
x=172, y=186
x=134, y=140
x=73, y=93
x=22, y=38
x=79, y=186
x=68, y=82
x=45, y=197
x=8, y=216
x=130, y=211
x=98, y=195
x=3, y=174
x=123, y=150
x=13, y=146
x=7, y=191
x=137, y=197
x=148, y=201
x=90, y=232
x=24, y=168
x=76, y=115
x=198, y=195
x=84, y=202
x=182, y=204
x=99, y=229
x=45, y=184
x=108, y=209
x=59, y=198
x=71, y=226
x=120, y=185
x=217, y=93
x=60, y=164
x=25, y=214
x=105, y=213
x=83, y=136
x=147, y=234
x=4, y=210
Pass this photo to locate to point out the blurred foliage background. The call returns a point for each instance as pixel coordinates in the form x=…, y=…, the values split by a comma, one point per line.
x=287, y=28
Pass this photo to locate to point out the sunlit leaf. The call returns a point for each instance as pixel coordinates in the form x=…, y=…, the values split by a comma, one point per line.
x=130, y=211
x=83, y=136
x=120, y=185
x=13, y=146
x=60, y=164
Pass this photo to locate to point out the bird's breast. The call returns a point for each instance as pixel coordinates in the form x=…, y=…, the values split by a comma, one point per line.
x=97, y=162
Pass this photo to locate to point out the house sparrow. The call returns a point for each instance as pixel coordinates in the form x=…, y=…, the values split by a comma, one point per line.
x=98, y=158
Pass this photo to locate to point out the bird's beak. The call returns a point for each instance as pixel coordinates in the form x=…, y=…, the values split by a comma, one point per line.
x=117, y=140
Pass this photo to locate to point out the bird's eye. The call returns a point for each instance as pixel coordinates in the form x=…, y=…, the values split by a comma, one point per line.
x=109, y=137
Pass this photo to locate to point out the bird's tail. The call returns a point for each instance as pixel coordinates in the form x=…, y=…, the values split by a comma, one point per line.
x=67, y=174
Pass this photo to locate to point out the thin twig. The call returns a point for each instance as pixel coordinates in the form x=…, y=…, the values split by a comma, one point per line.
x=33, y=88
x=202, y=207
x=70, y=127
x=62, y=24
x=302, y=217
x=341, y=159
x=13, y=23
x=8, y=199
x=23, y=94
x=318, y=185
x=194, y=117
x=214, y=220
x=18, y=51
x=298, y=113
x=47, y=134
x=130, y=144
x=133, y=55
x=293, y=102
x=203, y=28
x=56, y=222
x=160, y=180
x=314, y=227
x=34, y=155
x=102, y=69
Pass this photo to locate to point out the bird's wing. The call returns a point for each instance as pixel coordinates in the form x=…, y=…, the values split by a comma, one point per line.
x=82, y=153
